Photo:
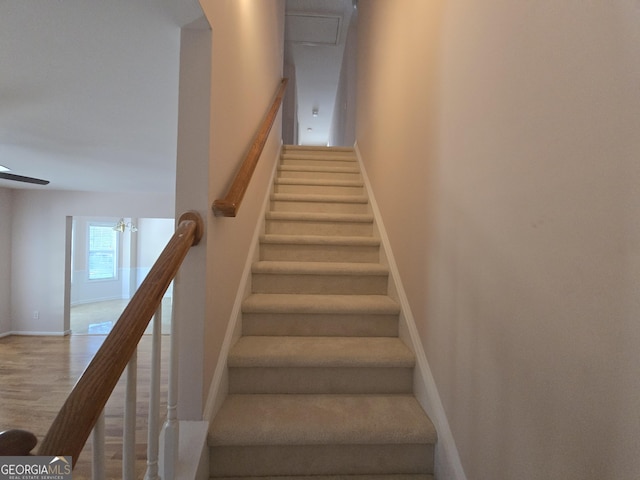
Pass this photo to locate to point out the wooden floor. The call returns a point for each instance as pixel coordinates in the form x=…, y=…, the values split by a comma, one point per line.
x=99, y=317
x=36, y=375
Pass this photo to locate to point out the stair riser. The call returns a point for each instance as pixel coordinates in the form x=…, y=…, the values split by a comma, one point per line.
x=287, y=155
x=310, y=380
x=320, y=153
x=320, y=162
x=295, y=227
x=319, y=253
x=320, y=284
x=321, y=460
x=317, y=150
x=350, y=176
x=319, y=189
x=323, y=325
x=325, y=207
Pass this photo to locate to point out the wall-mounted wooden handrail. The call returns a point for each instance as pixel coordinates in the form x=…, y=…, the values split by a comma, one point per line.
x=77, y=417
x=229, y=205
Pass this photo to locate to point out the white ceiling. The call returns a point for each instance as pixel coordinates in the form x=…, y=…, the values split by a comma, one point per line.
x=89, y=89
x=88, y=92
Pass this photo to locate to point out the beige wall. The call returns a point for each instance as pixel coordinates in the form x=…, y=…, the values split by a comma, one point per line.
x=6, y=209
x=247, y=46
x=501, y=141
x=342, y=131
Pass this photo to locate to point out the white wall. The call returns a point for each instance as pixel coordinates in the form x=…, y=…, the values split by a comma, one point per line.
x=343, y=123
x=6, y=214
x=246, y=70
x=501, y=140
x=38, y=247
x=152, y=236
x=192, y=193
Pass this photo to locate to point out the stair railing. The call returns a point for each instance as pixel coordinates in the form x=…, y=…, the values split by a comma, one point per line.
x=230, y=204
x=82, y=412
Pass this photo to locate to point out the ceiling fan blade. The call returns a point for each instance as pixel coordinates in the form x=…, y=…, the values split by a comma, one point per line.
x=20, y=178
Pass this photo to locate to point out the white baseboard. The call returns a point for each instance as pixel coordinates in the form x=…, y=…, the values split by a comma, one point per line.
x=89, y=301
x=38, y=334
x=448, y=464
x=5, y=334
x=219, y=388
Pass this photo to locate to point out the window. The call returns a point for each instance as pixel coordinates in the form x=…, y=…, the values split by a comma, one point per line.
x=103, y=252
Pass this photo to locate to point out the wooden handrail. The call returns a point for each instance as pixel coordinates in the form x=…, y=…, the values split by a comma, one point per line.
x=229, y=205
x=77, y=417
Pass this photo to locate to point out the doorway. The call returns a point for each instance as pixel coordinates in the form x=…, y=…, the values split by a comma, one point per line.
x=109, y=258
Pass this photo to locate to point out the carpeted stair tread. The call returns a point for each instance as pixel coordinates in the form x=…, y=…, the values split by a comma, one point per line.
x=336, y=156
x=324, y=182
x=350, y=352
x=321, y=152
x=317, y=148
x=318, y=268
x=320, y=304
x=318, y=168
x=327, y=156
x=320, y=217
x=318, y=198
x=319, y=240
x=245, y=420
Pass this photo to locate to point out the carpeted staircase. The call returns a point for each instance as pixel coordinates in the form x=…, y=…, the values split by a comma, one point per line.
x=319, y=383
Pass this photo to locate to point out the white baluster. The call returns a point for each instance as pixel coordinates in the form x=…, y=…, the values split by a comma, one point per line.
x=153, y=436
x=129, y=428
x=171, y=426
x=97, y=465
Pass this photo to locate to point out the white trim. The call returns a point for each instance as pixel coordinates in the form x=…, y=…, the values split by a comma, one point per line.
x=448, y=464
x=218, y=388
x=5, y=334
x=39, y=334
x=97, y=300
x=193, y=451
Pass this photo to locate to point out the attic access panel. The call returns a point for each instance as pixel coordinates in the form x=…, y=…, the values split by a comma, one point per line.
x=312, y=29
